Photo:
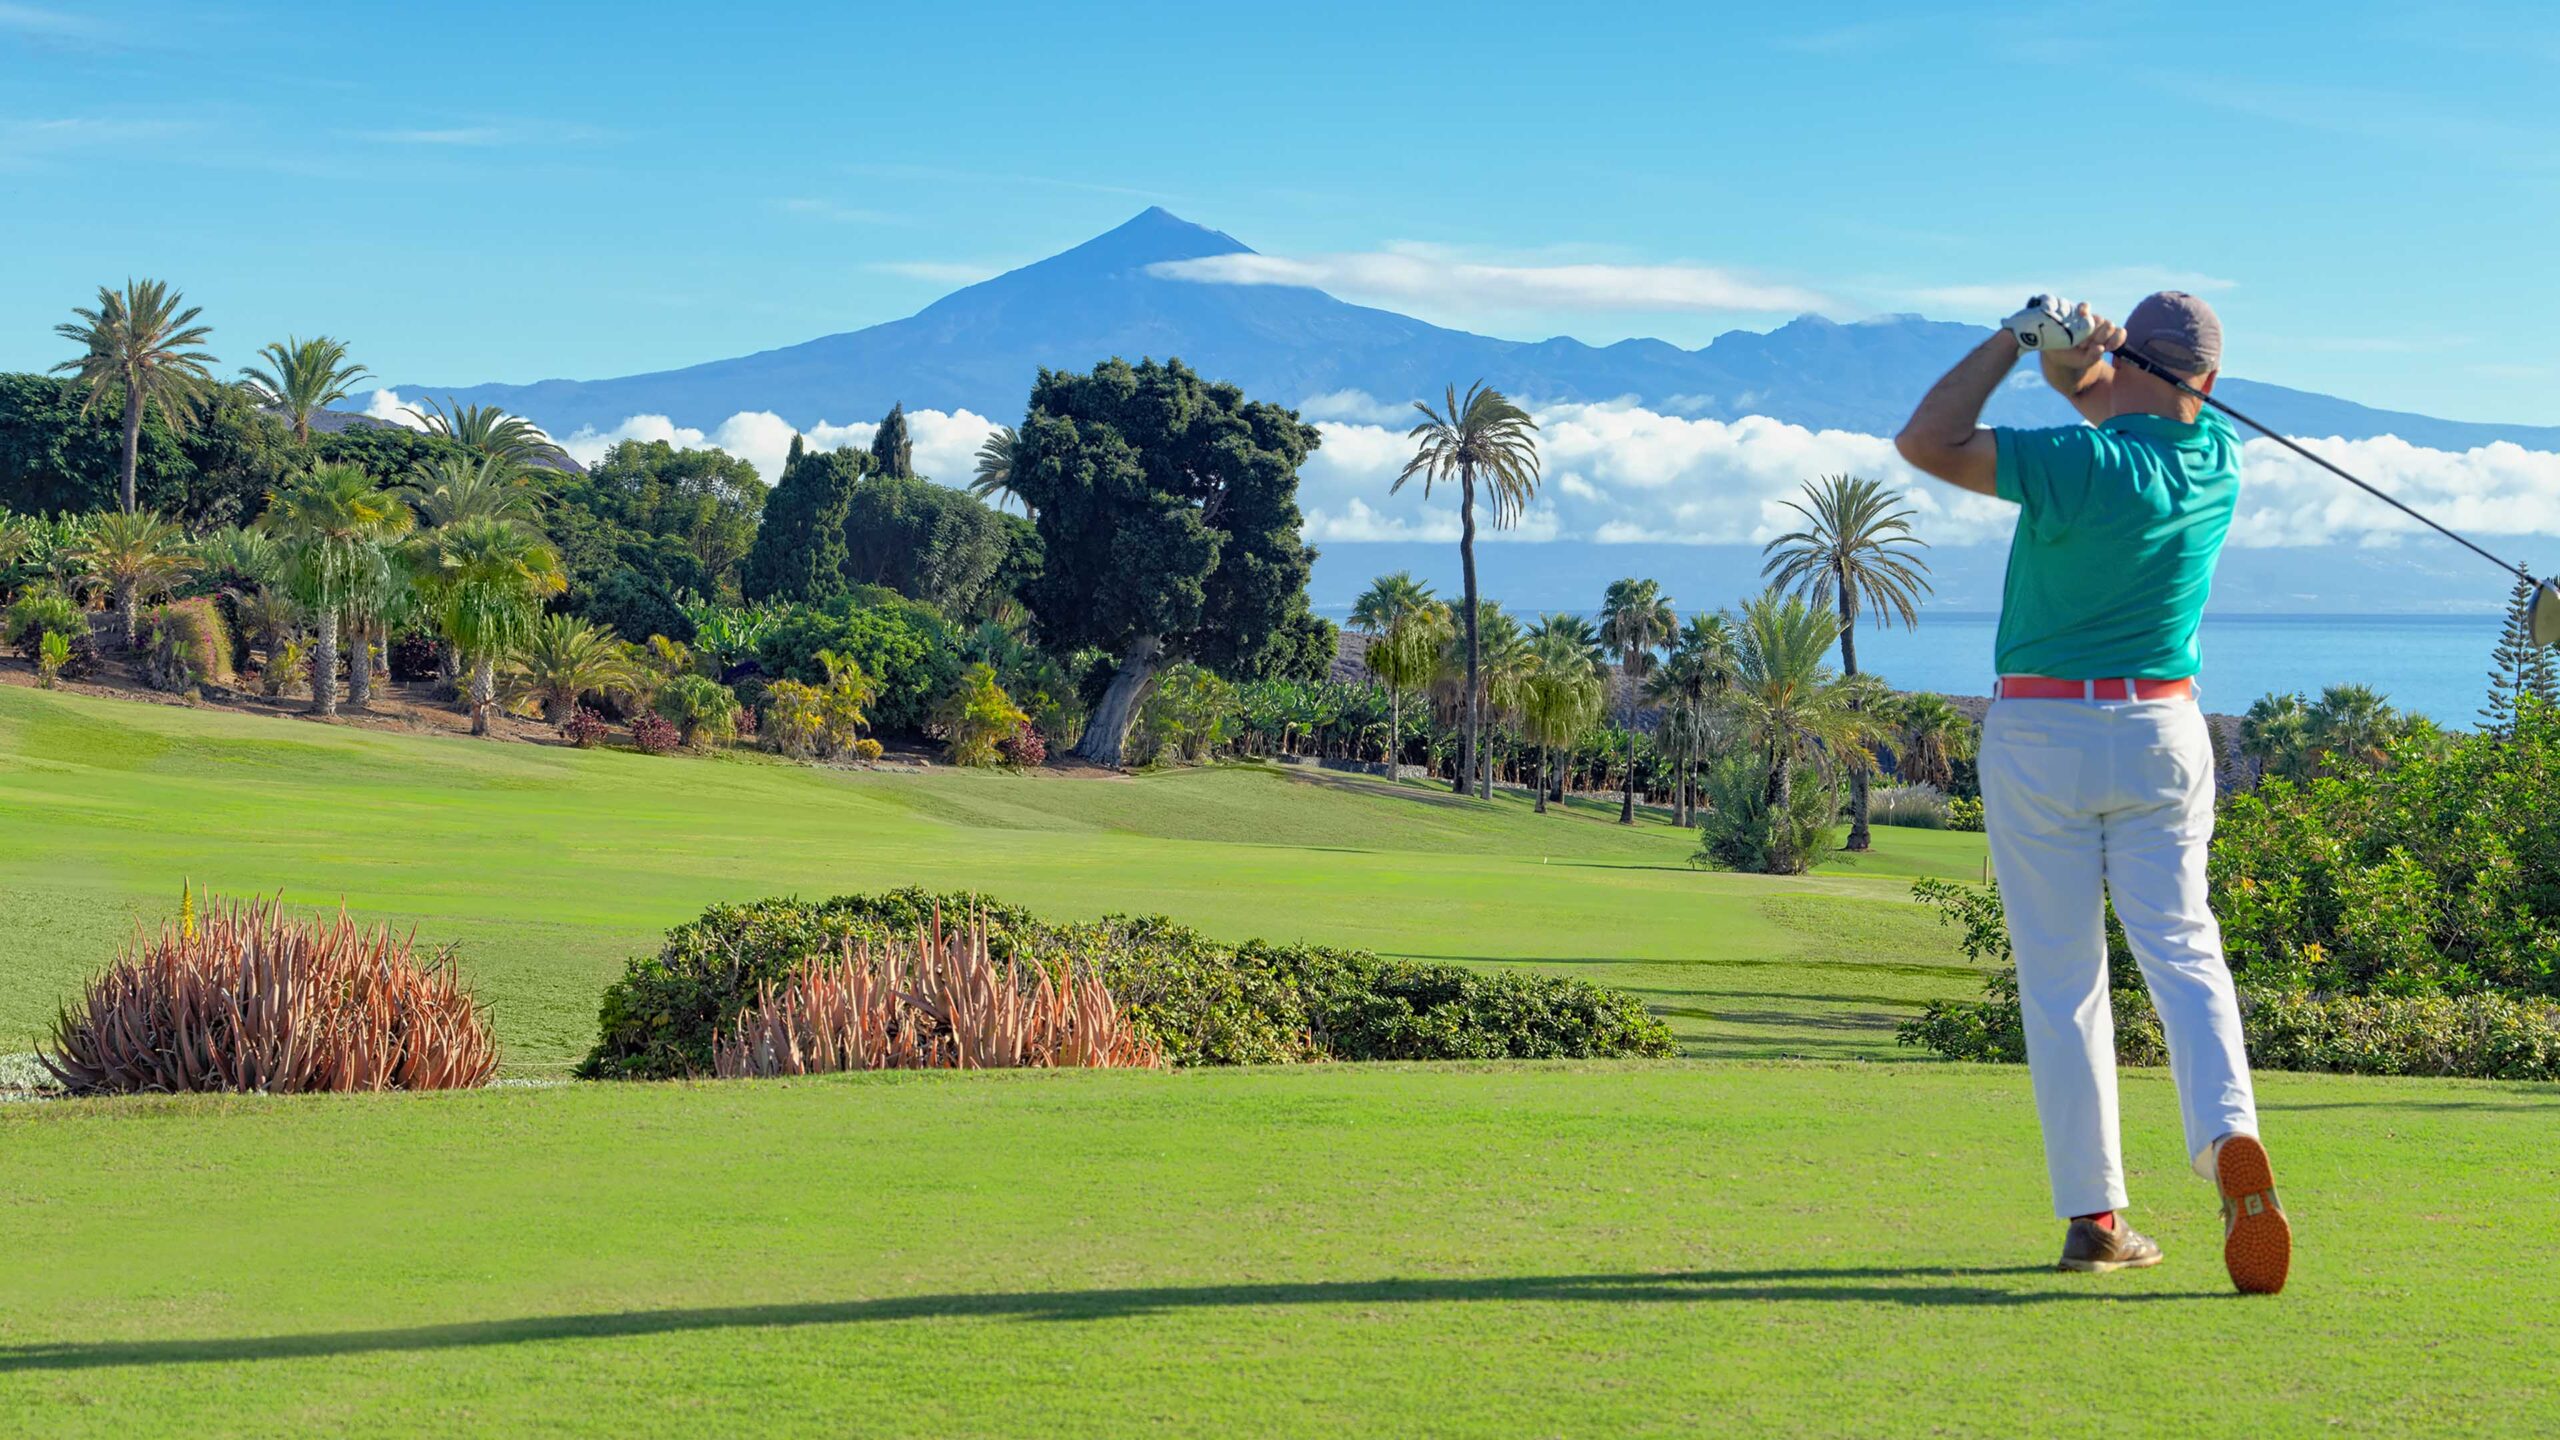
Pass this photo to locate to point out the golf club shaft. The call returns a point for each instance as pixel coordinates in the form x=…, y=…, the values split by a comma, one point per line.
x=2145, y=364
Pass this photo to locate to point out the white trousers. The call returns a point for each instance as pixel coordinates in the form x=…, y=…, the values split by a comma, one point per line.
x=2115, y=797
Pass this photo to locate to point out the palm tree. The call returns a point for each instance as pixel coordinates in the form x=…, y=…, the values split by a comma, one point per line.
x=138, y=347
x=1502, y=676
x=994, y=475
x=336, y=524
x=484, y=581
x=1404, y=647
x=1562, y=693
x=135, y=555
x=1852, y=552
x=1687, y=687
x=454, y=487
x=2352, y=722
x=1485, y=440
x=2277, y=734
x=301, y=376
x=564, y=659
x=514, y=442
x=1933, y=735
x=1794, y=707
x=1635, y=621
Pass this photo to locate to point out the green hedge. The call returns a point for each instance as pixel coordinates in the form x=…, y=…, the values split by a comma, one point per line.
x=1205, y=1002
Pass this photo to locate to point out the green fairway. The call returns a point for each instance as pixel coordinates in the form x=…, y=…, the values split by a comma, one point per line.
x=1672, y=1249
x=551, y=866
x=1715, y=1246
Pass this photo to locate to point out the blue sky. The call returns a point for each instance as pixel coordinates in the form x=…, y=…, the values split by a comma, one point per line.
x=472, y=192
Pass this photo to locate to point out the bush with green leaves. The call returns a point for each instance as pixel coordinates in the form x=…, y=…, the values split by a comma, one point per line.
x=909, y=653
x=41, y=611
x=1739, y=830
x=699, y=707
x=976, y=718
x=1964, y=812
x=1913, y=807
x=1202, y=1001
x=184, y=645
x=1191, y=715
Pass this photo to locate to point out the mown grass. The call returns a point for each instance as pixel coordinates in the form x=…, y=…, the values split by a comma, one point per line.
x=550, y=867
x=1768, y=1249
x=1702, y=1247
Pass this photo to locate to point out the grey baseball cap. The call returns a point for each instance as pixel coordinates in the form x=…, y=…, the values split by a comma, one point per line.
x=2176, y=330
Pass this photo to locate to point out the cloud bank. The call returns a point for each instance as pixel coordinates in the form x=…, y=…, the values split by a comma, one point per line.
x=1430, y=276
x=1620, y=473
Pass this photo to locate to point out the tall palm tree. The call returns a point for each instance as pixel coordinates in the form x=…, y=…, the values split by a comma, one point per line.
x=1794, y=707
x=564, y=659
x=454, y=487
x=301, y=376
x=1687, y=687
x=1562, y=694
x=135, y=554
x=485, y=430
x=336, y=524
x=1635, y=621
x=994, y=475
x=1387, y=600
x=138, y=347
x=1502, y=677
x=1854, y=551
x=484, y=581
x=1404, y=658
x=1933, y=735
x=2277, y=734
x=1484, y=440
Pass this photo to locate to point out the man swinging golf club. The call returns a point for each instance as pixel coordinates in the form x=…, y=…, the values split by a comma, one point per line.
x=2097, y=770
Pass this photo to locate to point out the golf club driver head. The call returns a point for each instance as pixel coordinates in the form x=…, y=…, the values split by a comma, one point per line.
x=2545, y=616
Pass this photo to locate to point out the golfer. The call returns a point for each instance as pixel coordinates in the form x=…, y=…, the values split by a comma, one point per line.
x=2097, y=770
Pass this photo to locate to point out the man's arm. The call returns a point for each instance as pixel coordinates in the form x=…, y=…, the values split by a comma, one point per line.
x=2083, y=374
x=1944, y=437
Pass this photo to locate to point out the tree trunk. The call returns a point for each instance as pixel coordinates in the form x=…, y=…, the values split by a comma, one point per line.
x=1395, y=727
x=1782, y=788
x=1546, y=764
x=132, y=447
x=1627, y=712
x=448, y=671
x=484, y=684
x=1467, y=568
x=360, y=665
x=1106, y=735
x=556, y=709
x=324, y=665
x=1859, y=837
x=128, y=601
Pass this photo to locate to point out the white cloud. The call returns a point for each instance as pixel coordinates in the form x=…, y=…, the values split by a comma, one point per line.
x=946, y=442
x=1435, y=277
x=2110, y=292
x=941, y=272
x=387, y=405
x=1618, y=473
x=1357, y=406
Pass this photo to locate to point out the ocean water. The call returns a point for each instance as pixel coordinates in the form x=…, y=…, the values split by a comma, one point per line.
x=2436, y=665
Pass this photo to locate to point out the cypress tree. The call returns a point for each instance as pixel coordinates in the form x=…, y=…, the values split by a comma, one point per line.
x=892, y=453
x=2518, y=668
x=799, y=552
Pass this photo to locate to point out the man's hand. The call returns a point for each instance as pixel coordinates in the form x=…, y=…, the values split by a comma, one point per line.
x=2082, y=371
x=2048, y=323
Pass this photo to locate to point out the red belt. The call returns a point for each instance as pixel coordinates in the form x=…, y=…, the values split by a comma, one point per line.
x=2045, y=687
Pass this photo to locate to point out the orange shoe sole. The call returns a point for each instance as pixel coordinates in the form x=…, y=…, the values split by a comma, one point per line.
x=2257, y=1241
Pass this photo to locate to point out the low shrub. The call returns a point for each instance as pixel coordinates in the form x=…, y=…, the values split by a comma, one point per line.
x=930, y=1000
x=1198, y=1001
x=415, y=655
x=742, y=724
x=818, y=722
x=976, y=718
x=1025, y=749
x=243, y=998
x=40, y=611
x=584, y=728
x=654, y=734
x=699, y=707
x=184, y=644
x=1964, y=812
x=1914, y=807
x=1740, y=830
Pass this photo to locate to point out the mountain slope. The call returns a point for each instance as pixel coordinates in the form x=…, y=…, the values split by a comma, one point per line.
x=978, y=348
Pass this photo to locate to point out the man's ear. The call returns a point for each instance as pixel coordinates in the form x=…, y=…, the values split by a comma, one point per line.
x=2204, y=382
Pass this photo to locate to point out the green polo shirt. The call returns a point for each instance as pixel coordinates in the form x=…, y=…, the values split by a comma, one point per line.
x=2119, y=526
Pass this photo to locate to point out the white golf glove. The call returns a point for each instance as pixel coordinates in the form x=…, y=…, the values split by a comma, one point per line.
x=2049, y=323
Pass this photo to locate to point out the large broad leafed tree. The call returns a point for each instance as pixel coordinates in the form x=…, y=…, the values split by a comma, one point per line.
x=1168, y=513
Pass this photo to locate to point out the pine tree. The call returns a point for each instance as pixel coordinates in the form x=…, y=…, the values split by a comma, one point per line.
x=892, y=453
x=2518, y=668
x=799, y=552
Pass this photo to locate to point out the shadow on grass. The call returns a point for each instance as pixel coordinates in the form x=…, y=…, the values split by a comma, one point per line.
x=1921, y=1287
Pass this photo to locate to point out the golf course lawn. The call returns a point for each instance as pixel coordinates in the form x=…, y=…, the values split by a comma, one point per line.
x=550, y=867
x=1728, y=1244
